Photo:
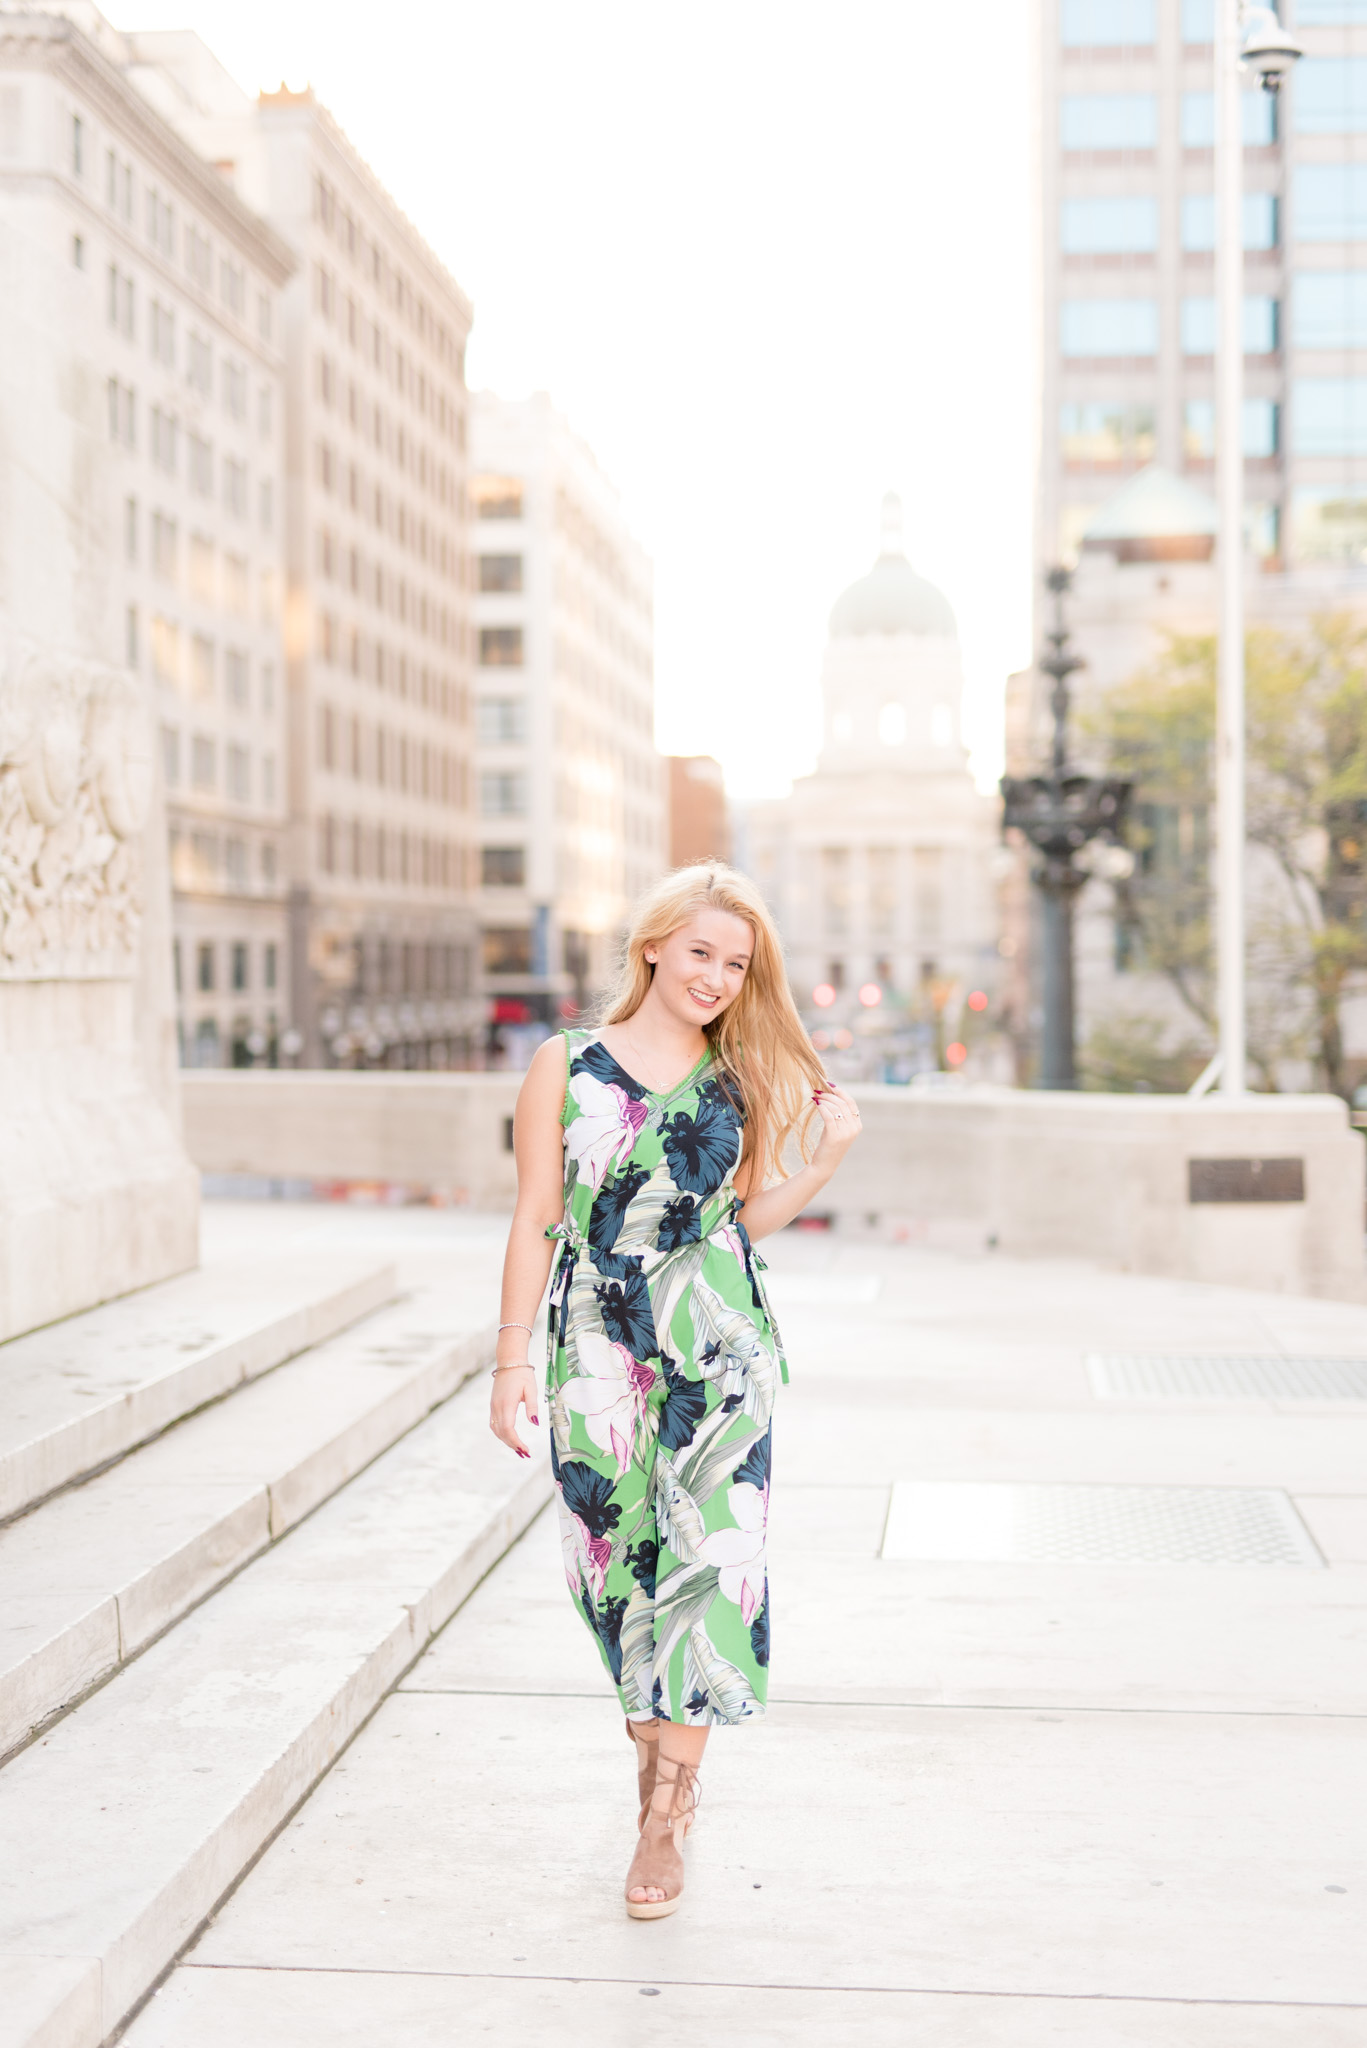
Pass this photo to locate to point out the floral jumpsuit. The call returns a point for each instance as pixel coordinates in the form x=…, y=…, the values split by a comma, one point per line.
x=663, y=1361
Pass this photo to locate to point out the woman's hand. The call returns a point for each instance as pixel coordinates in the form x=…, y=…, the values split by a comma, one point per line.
x=514, y=1388
x=840, y=1126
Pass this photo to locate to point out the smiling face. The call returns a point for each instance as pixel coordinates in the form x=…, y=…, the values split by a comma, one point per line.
x=700, y=967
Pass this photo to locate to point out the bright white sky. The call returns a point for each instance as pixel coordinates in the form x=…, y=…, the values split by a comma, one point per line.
x=772, y=258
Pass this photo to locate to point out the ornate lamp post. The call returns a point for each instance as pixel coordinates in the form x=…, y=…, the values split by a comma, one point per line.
x=1060, y=813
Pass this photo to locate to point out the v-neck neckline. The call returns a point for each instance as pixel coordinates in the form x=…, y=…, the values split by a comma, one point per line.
x=656, y=1094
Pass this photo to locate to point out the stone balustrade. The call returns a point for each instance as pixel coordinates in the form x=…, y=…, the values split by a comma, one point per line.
x=1267, y=1192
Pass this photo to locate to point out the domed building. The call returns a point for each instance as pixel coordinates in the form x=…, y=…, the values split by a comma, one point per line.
x=878, y=866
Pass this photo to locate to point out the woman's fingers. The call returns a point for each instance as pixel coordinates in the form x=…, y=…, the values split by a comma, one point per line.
x=503, y=1409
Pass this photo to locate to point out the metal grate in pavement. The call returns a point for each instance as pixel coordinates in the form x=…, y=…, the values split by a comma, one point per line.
x=1131, y=1376
x=1035, y=1524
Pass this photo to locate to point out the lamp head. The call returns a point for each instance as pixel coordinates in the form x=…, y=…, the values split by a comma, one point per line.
x=1271, y=49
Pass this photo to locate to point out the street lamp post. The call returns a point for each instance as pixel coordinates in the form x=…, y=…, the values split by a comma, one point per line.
x=1060, y=813
x=1252, y=35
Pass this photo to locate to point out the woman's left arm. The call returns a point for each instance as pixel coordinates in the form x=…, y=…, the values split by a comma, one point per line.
x=840, y=1126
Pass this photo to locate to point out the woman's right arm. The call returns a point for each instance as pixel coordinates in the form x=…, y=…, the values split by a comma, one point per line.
x=538, y=1147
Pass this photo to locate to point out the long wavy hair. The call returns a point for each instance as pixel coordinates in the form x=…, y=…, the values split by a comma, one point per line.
x=758, y=1041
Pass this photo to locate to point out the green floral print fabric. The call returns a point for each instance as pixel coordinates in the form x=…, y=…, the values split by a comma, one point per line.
x=663, y=1364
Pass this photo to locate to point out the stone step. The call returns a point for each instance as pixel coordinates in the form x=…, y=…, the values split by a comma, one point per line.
x=124, y=1825
x=99, y=1570
x=79, y=1393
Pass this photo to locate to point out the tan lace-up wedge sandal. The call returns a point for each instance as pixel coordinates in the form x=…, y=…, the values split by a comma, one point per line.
x=658, y=1864
x=647, y=1748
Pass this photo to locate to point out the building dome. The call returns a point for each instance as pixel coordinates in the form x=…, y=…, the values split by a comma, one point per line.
x=1155, y=517
x=892, y=598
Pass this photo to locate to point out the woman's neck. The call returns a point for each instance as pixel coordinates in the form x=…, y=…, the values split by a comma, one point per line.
x=666, y=1046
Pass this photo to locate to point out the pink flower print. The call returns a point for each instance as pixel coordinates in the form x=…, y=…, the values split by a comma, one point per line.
x=607, y=1127
x=740, y=1551
x=583, y=1554
x=610, y=1393
x=730, y=1237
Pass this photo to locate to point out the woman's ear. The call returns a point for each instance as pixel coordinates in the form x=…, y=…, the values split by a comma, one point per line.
x=651, y=959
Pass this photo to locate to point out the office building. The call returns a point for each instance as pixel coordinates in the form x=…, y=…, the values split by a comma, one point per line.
x=141, y=388
x=573, y=805
x=373, y=330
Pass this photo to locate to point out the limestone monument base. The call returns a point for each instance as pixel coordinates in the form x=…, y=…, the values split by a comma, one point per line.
x=97, y=1196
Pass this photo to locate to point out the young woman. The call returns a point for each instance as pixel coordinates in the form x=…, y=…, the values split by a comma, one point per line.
x=638, y=1144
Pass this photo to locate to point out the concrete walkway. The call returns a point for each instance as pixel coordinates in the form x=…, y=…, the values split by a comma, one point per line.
x=1036, y=1794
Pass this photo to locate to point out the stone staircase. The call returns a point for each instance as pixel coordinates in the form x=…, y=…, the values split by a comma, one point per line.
x=237, y=1506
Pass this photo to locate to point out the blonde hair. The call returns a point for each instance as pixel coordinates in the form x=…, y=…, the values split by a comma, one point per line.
x=758, y=1041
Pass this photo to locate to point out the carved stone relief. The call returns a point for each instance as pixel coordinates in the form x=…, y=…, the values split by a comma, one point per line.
x=75, y=787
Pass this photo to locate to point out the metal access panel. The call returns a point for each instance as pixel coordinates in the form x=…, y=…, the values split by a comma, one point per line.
x=1142, y=1376
x=988, y=1523
x=1245, y=1180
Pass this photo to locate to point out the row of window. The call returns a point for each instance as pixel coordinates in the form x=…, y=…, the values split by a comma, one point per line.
x=374, y=346
x=199, y=762
x=1117, y=24
x=233, y=962
x=189, y=663
x=389, y=513
x=1328, y=418
x=163, y=447
x=371, y=579
x=388, y=436
x=1128, y=226
x=378, y=853
x=121, y=310
x=1328, y=311
x=201, y=860
x=337, y=220
x=1330, y=98
x=393, y=760
x=161, y=230
x=1109, y=430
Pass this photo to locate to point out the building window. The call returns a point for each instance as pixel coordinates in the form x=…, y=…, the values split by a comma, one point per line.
x=1109, y=120
x=235, y=390
x=235, y=486
x=165, y=547
x=1329, y=416
x=1330, y=96
x=130, y=636
x=170, y=755
x=1330, y=202
x=165, y=431
x=1106, y=432
x=269, y=966
x=1329, y=13
x=1198, y=20
x=235, y=678
x=77, y=147
x=162, y=333
x=235, y=862
x=835, y=891
x=239, y=767
x=1108, y=227
x=206, y=1043
x=1329, y=309
x=1257, y=112
x=1260, y=221
x=203, y=762
x=500, y=646
x=503, y=795
x=503, y=867
x=496, y=497
x=1262, y=324
x=500, y=572
x=1109, y=327
x=1262, y=428
x=1106, y=24
x=239, y=967
x=507, y=949
x=204, y=975
x=502, y=721
x=199, y=366
x=166, y=650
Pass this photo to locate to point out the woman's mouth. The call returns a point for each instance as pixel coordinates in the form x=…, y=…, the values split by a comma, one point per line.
x=701, y=996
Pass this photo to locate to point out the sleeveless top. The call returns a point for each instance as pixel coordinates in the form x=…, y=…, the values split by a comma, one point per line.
x=652, y=1248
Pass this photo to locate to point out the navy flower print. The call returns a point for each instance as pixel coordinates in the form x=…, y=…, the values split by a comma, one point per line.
x=595, y=1059
x=702, y=1149
x=681, y=1224
x=759, y=1630
x=684, y=1407
x=627, y=1315
x=606, y=1623
x=588, y=1494
x=606, y=1218
x=754, y=1468
x=642, y=1561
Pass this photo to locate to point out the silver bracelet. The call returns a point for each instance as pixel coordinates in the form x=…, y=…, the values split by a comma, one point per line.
x=519, y=1365
x=518, y=1326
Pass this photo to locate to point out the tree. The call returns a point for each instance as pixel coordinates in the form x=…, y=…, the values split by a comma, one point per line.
x=1307, y=811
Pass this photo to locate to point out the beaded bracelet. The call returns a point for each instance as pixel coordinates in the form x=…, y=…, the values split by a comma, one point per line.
x=518, y=1326
x=519, y=1365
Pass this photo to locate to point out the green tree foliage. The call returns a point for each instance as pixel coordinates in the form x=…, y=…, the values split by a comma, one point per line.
x=1307, y=808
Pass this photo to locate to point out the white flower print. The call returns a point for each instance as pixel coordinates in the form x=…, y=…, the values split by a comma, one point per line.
x=605, y=1130
x=740, y=1551
x=610, y=1393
